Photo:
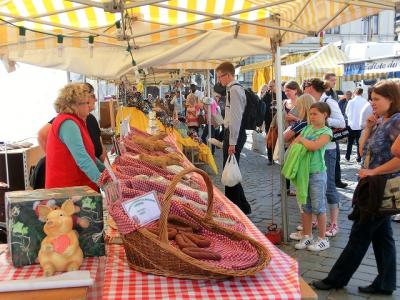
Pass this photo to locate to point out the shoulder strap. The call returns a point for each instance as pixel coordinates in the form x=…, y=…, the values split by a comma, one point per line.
x=229, y=94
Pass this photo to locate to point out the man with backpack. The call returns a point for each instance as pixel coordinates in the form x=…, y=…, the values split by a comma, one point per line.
x=235, y=131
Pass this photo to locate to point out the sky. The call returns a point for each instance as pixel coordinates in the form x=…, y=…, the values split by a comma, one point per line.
x=26, y=100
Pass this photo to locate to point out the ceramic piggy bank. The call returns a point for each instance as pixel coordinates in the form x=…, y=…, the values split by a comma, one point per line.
x=60, y=249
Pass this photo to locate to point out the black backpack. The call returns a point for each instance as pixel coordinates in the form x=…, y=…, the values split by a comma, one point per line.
x=254, y=111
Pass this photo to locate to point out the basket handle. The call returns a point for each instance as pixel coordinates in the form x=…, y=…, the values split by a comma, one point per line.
x=170, y=192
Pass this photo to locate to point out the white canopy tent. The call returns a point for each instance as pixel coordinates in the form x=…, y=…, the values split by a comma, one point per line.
x=111, y=62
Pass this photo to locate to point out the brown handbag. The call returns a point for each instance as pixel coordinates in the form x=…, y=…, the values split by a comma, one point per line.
x=391, y=195
x=272, y=136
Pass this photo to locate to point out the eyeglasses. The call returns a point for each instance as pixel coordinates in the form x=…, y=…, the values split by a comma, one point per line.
x=84, y=103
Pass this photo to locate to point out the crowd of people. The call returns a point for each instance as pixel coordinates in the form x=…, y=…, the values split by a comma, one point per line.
x=315, y=120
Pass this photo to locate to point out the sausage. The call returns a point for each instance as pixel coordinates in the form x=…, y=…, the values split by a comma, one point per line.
x=181, y=228
x=177, y=220
x=201, y=253
x=199, y=240
x=171, y=232
x=183, y=241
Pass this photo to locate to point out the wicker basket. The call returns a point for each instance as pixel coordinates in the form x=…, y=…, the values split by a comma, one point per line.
x=149, y=253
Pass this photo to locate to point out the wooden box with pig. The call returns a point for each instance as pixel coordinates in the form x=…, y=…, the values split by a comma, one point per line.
x=25, y=221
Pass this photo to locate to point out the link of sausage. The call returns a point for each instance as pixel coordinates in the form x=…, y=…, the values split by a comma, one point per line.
x=183, y=241
x=201, y=253
x=199, y=240
x=181, y=228
x=174, y=219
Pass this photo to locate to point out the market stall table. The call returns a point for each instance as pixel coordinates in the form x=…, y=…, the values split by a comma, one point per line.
x=94, y=265
x=278, y=280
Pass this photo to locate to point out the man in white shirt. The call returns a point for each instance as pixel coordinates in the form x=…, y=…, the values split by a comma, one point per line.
x=234, y=133
x=353, y=113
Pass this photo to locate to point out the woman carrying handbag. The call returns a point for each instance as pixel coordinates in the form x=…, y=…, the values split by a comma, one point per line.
x=382, y=129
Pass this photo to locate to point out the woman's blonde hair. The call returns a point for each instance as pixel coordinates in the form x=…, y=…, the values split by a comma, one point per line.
x=303, y=105
x=69, y=97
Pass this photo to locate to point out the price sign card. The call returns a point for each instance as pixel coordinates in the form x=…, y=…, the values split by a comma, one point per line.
x=143, y=209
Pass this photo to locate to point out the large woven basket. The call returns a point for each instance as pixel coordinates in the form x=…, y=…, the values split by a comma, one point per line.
x=149, y=253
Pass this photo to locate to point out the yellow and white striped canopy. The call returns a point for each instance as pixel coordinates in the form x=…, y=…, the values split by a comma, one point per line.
x=156, y=27
x=324, y=61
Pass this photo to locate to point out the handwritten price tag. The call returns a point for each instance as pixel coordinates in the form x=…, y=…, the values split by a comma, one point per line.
x=143, y=209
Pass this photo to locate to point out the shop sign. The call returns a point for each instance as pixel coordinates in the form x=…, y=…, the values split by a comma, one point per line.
x=382, y=66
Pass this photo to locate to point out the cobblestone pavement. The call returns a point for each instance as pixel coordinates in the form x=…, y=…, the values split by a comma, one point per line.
x=261, y=185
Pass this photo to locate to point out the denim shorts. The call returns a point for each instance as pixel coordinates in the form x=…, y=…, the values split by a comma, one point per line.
x=332, y=194
x=316, y=199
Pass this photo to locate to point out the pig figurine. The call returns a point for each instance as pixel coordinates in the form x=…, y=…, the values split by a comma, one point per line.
x=60, y=249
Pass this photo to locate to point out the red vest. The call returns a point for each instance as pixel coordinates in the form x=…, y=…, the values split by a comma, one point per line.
x=61, y=168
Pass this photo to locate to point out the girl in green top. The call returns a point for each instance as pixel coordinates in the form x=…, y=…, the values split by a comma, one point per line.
x=314, y=138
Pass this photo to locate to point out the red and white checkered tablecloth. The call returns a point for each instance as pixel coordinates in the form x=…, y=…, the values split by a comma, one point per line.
x=279, y=280
x=95, y=265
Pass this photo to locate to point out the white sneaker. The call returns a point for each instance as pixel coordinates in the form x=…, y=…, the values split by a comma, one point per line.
x=297, y=236
x=215, y=142
x=332, y=230
x=304, y=242
x=319, y=245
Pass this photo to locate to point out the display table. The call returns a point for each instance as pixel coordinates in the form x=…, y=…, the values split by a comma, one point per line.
x=278, y=280
x=95, y=265
x=139, y=120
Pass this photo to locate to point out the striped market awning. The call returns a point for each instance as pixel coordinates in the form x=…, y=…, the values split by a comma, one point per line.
x=326, y=60
x=153, y=27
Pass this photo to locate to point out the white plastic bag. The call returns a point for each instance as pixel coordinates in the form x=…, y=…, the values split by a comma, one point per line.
x=275, y=156
x=231, y=175
x=259, y=142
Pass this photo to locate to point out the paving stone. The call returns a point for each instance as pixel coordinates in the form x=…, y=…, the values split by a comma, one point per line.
x=315, y=274
x=344, y=294
x=262, y=185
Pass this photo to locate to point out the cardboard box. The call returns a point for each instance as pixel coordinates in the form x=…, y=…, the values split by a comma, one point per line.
x=25, y=229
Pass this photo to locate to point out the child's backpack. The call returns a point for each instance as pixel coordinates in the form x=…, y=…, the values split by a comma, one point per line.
x=254, y=111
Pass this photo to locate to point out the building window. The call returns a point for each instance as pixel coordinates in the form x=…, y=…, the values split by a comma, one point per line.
x=371, y=25
x=334, y=30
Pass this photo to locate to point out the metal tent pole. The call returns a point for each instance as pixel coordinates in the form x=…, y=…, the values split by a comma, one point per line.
x=98, y=98
x=276, y=48
x=6, y=159
x=209, y=108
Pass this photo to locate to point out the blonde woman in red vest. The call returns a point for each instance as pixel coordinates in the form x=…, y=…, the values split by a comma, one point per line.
x=70, y=154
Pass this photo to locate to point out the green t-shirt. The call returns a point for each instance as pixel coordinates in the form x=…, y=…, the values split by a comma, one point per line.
x=317, y=161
